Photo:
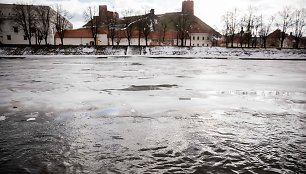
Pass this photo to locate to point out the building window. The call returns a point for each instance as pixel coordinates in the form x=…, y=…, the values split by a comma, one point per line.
x=207, y=38
x=203, y=38
x=15, y=29
x=25, y=38
x=192, y=44
x=9, y=37
x=198, y=38
x=92, y=43
x=202, y=45
x=198, y=45
x=207, y=44
x=193, y=38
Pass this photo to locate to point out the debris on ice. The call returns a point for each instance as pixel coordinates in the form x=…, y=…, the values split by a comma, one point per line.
x=2, y=118
x=31, y=119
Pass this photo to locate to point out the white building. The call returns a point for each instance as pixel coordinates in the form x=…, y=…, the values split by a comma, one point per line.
x=201, y=40
x=12, y=33
x=82, y=36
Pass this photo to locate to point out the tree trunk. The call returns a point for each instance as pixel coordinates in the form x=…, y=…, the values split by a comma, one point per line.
x=46, y=40
x=30, y=42
x=255, y=41
x=146, y=37
x=139, y=39
x=282, y=40
x=297, y=42
x=265, y=41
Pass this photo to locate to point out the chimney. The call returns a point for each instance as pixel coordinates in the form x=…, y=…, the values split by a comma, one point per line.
x=188, y=7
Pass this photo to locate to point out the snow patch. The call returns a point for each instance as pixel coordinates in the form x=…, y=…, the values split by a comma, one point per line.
x=2, y=118
x=160, y=51
x=31, y=119
x=88, y=50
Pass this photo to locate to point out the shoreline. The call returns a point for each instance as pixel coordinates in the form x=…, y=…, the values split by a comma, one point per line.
x=158, y=52
x=153, y=57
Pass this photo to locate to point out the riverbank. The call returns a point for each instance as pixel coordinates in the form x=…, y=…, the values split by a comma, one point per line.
x=159, y=51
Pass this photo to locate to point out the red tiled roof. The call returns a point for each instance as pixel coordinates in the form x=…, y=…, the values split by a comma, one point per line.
x=80, y=33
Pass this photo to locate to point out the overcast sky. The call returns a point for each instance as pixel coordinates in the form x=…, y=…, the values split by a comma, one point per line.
x=210, y=11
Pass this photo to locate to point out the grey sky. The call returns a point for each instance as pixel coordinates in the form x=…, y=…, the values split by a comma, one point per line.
x=210, y=11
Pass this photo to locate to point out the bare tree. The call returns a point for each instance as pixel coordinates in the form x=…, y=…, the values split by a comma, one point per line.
x=163, y=26
x=226, y=31
x=61, y=22
x=255, y=32
x=146, y=29
x=129, y=22
x=264, y=29
x=284, y=22
x=148, y=25
x=112, y=27
x=139, y=27
x=233, y=25
x=250, y=22
x=118, y=37
x=299, y=25
x=91, y=18
x=110, y=20
x=25, y=19
x=230, y=26
x=183, y=25
x=44, y=16
x=241, y=32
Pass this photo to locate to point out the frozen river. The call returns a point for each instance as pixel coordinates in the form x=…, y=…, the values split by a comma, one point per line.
x=142, y=115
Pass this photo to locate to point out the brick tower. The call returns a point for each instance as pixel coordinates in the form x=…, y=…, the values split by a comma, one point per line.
x=188, y=7
x=102, y=10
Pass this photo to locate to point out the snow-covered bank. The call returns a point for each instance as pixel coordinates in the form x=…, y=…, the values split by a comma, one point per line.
x=159, y=52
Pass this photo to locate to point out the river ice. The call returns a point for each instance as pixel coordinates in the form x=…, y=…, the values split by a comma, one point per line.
x=145, y=115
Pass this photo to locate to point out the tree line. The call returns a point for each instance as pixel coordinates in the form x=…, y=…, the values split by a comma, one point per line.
x=136, y=22
x=132, y=21
x=251, y=29
x=37, y=21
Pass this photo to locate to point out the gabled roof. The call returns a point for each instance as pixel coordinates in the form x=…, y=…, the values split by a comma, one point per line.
x=197, y=25
x=275, y=34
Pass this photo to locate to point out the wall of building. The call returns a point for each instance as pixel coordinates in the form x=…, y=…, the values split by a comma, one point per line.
x=101, y=40
x=134, y=42
x=10, y=35
x=74, y=41
x=201, y=40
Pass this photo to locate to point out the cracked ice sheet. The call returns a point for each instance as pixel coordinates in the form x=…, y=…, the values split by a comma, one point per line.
x=87, y=83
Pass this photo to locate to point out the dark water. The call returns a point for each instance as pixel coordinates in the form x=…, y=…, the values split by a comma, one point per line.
x=87, y=115
x=102, y=142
